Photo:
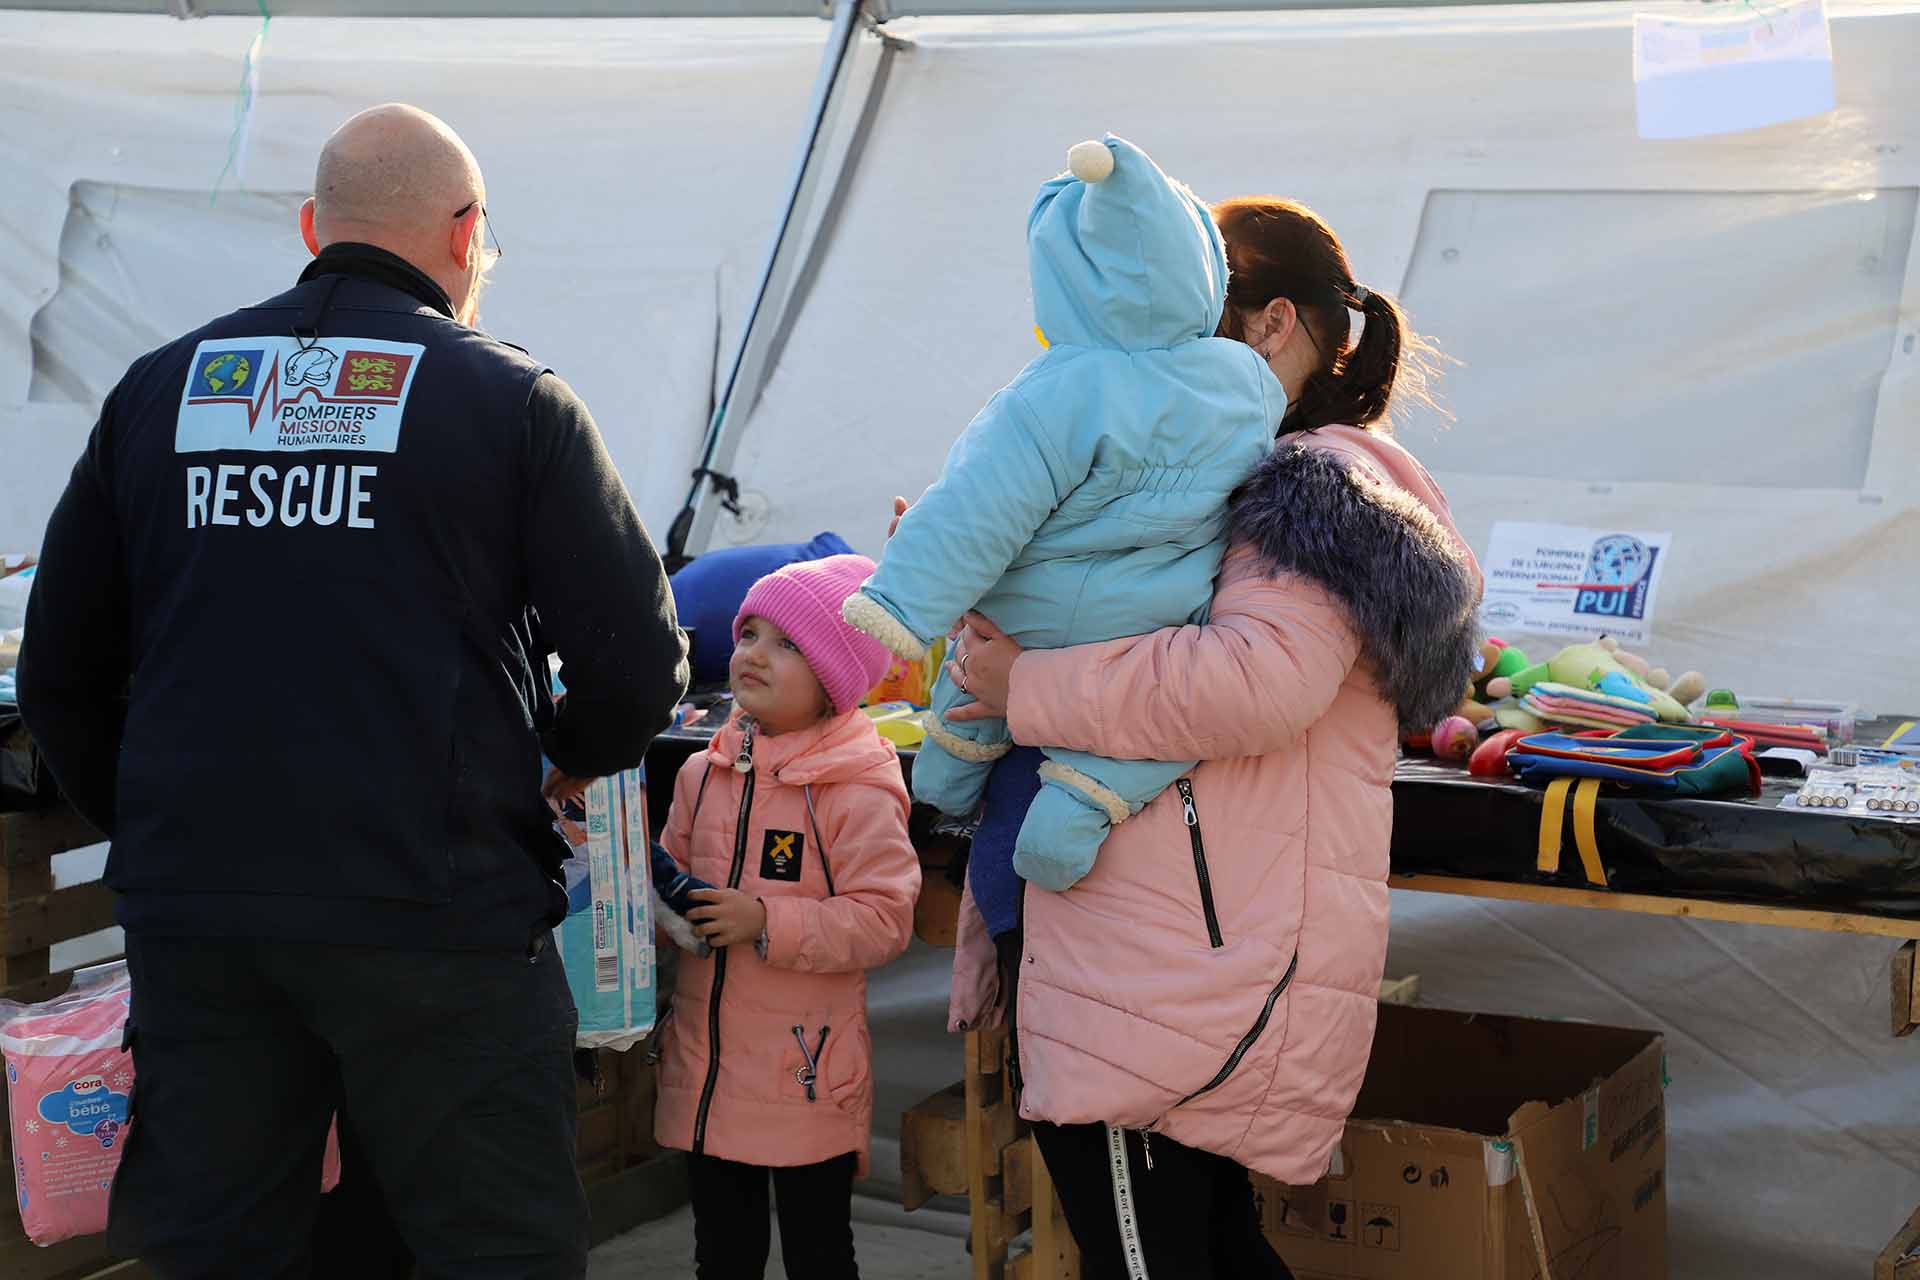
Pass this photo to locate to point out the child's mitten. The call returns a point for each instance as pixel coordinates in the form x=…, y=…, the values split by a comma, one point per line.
x=672, y=888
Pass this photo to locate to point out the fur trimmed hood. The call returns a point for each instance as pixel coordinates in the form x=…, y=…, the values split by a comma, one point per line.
x=1356, y=513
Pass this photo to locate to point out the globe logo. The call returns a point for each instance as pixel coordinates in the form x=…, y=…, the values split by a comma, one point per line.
x=1618, y=560
x=227, y=372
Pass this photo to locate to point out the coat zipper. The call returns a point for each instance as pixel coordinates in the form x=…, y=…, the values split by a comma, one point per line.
x=1253, y=1033
x=809, y=1073
x=656, y=1043
x=743, y=763
x=1185, y=786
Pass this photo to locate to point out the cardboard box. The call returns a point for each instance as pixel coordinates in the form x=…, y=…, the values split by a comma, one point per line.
x=1490, y=1148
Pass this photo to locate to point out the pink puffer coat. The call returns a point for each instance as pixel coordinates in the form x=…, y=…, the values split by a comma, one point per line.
x=817, y=830
x=1214, y=977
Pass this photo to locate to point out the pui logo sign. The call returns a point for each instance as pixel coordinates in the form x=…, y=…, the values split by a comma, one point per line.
x=1619, y=571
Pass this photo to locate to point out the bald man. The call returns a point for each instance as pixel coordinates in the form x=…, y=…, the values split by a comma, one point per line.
x=288, y=647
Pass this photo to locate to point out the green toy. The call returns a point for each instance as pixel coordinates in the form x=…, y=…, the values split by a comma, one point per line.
x=1593, y=666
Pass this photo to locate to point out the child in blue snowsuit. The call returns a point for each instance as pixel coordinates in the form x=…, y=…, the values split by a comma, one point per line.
x=1088, y=499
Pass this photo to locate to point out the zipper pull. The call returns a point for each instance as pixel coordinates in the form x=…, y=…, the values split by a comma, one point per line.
x=1146, y=1147
x=1186, y=798
x=655, y=1044
x=743, y=763
x=806, y=1074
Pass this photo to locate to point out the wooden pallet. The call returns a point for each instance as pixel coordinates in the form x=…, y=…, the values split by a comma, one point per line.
x=968, y=1141
x=628, y=1179
x=33, y=917
x=33, y=914
x=1900, y=1260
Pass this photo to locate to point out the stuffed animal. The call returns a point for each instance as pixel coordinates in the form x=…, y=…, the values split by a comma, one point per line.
x=1685, y=689
x=1596, y=667
x=1496, y=659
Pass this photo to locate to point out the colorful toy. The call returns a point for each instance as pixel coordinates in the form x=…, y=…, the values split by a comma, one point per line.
x=1495, y=659
x=1685, y=689
x=1598, y=668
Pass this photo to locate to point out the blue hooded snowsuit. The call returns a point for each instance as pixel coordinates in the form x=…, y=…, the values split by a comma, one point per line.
x=1088, y=499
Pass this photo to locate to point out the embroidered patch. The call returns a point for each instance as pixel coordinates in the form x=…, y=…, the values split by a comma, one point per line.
x=279, y=394
x=780, y=855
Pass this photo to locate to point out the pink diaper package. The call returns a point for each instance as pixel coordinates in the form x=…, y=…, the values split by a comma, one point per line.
x=67, y=1090
x=68, y=1086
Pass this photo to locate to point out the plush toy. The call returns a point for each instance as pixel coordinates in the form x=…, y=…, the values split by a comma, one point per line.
x=1685, y=690
x=1599, y=668
x=1496, y=659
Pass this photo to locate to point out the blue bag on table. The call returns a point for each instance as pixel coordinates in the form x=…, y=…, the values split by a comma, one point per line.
x=606, y=940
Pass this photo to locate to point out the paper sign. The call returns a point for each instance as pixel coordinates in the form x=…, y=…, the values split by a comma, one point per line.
x=1761, y=64
x=1554, y=580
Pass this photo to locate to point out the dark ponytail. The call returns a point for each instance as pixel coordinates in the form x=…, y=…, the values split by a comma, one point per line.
x=1281, y=249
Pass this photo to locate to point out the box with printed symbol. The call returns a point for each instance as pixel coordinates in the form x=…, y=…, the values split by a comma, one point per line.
x=1489, y=1148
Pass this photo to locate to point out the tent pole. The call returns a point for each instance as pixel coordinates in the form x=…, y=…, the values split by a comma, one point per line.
x=693, y=526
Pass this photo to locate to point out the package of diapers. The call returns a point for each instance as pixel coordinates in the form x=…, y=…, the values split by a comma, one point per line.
x=68, y=1085
x=606, y=940
x=68, y=1089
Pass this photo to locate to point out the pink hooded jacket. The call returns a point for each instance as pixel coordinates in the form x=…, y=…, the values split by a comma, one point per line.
x=817, y=830
x=1214, y=978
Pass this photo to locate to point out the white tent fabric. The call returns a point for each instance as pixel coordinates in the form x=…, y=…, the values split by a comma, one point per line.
x=637, y=166
x=1712, y=337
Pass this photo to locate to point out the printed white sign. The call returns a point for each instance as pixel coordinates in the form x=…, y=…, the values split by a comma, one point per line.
x=1553, y=580
x=1759, y=65
x=282, y=394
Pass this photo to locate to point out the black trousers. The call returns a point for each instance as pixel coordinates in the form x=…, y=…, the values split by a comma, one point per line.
x=731, y=1232
x=455, y=1068
x=1193, y=1211
x=354, y=1235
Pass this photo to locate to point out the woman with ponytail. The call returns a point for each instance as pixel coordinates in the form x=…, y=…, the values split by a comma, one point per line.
x=1202, y=1003
x=1291, y=296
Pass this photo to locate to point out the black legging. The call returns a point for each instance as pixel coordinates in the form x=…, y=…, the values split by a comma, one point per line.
x=1192, y=1212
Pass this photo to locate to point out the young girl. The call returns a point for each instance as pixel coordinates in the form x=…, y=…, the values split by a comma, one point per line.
x=798, y=815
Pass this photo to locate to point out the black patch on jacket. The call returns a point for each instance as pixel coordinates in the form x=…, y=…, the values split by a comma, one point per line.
x=1386, y=557
x=780, y=855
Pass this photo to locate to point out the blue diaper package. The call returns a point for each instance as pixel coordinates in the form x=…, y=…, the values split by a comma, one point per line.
x=606, y=941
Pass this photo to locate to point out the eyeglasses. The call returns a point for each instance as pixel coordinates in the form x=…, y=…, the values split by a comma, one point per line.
x=493, y=241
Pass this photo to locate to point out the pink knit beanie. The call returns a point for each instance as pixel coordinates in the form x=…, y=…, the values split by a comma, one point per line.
x=804, y=601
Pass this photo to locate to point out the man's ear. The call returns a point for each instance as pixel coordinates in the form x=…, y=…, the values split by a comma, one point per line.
x=461, y=241
x=307, y=232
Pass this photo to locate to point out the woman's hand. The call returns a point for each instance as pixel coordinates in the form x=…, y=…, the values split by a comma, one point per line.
x=900, y=506
x=729, y=917
x=981, y=664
